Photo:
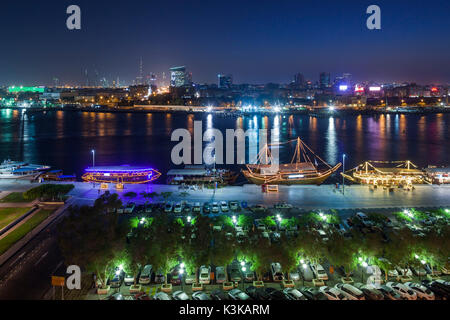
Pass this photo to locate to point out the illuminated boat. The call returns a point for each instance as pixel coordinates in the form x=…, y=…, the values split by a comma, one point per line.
x=20, y=170
x=301, y=170
x=121, y=175
x=386, y=173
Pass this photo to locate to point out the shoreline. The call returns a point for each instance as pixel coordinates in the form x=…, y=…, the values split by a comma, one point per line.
x=192, y=110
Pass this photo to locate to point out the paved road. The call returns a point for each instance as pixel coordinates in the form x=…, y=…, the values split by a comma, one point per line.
x=305, y=197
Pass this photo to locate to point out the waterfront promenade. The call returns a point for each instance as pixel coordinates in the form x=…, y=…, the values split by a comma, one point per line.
x=304, y=197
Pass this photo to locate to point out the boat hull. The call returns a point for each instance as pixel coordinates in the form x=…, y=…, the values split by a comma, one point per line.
x=277, y=180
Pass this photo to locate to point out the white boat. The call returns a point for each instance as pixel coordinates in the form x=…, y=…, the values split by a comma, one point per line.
x=20, y=170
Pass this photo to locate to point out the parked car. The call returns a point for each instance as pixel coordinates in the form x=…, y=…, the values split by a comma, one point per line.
x=115, y=296
x=148, y=208
x=146, y=275
x=389, y=293
x=128, y=280
x=294, y=275
x=276, y=294
x=219, y=295
x=117, y=280
x=332, y=293
x=221, y=276
x=319, y=272
x=224, y=206
x=215, y=208
x=162, y=296
x=234, y=272
x=190, y=278
x=277, y=274
x=205, y=275
x=403, y=290
x=180, y=295
x=439, y=291
x=175, y=276
x=130, y=208
x=370, y=291
x=421, y=291
x=313, y=294
x=234, y=205
x=351, y=292
x=178, y=208
x=206, y=208
x=294, y=294
x=168, y=207
x=200, y=296
x=258, y=294
x=237, y=294
x=160, y=277
x=307, y=272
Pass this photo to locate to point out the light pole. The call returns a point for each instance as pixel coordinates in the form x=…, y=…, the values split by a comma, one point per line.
x=343, y=173
x=93, y=158
x=244, y=269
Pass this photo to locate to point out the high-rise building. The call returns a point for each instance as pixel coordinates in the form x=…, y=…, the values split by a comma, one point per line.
x=225, y=81
x=299, y=80
x=325, y=80
x=179, y=77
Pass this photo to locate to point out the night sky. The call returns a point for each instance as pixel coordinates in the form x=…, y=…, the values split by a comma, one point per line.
x=256, y=41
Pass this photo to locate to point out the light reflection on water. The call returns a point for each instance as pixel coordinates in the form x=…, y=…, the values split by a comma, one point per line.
x=64, y=139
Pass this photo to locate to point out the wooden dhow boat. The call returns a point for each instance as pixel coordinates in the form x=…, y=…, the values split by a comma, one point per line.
x=301, y=170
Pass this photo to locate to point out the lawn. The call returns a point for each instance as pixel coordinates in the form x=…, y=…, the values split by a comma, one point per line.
x=8, y=215
x=23, y=230
x=15, y=197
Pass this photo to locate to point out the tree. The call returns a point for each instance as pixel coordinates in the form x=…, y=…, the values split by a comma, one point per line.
x=166, y=195
x=163, y=247
x=342, y=252
x=93, y=239
x=245, y=222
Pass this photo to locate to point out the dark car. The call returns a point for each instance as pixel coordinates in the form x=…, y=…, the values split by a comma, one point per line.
x=438, y=289
x=206, y=208
x=175, y=277
x=117, y=281
x=257, y=293
x=276, y=294
x=219, y=295
x=313, y=294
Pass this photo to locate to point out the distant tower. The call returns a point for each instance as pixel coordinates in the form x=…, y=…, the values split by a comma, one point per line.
x=140, y=78
x=86, y=75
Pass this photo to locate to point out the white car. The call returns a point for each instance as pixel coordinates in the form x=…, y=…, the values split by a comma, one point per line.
x=277, y=274
x=215, y=207
x=221, y=276
x=178, y=208
x=421, y=291
x=294, y=294
x=294, y=276
x=197, y=207
x=393, y=273
x=404, y=291
x=234, y=205
x=205, y=275
x=351, y=292
x=224, y=206
x=319, y=272
x=146, y=275
x=405, y=272
x=191, y=278
x=332, y=293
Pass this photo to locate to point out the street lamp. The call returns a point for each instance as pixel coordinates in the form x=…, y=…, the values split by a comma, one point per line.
x=181, y=275
x=364, y=265
x=343, y=173
x=244, y=269
x=303, y=273
x=93, y=158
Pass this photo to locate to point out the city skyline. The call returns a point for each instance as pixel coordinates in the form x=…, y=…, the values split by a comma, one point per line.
x=255, y=43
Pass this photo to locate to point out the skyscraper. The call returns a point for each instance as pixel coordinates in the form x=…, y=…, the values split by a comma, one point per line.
x=225, y=81
x=299, y=80
x=325, y=80
x=179, y=77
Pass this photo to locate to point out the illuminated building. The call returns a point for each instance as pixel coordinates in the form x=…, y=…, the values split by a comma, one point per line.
x=225, y=81
x=179, y=77
x=325, y=81
x=121, y=175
